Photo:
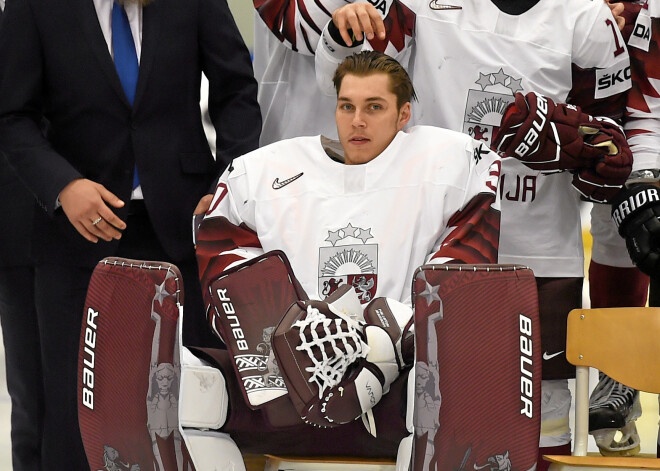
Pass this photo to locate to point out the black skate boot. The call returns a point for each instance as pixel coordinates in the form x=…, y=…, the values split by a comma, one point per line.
x=614, y=408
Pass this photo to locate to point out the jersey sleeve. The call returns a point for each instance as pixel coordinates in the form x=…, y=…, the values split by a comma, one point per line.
x=472, y=234
x=227, y=235
x=600, y=64
x=297, y=23
x=642, y=121
x=331, y=51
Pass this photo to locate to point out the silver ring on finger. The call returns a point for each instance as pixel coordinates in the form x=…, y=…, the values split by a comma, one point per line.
x=96, y=221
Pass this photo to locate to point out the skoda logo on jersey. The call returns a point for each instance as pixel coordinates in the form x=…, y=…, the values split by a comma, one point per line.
x=485, y=105
x=349, y=260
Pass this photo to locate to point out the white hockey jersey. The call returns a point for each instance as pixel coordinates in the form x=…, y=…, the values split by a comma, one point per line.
x=285, y=38
x=642, y=122
x=429, y=195
x=467, y=62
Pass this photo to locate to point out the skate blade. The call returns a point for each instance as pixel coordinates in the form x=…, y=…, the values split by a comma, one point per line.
x=609, y=444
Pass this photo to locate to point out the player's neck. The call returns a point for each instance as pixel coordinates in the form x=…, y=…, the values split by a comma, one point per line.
x=514, y=7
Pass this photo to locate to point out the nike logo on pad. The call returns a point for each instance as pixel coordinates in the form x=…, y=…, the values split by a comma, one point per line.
x=277, y=184
x=550, y=356
x=434, y=5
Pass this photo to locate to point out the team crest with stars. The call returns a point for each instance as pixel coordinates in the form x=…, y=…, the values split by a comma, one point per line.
x=349, y=260
x=485, y=105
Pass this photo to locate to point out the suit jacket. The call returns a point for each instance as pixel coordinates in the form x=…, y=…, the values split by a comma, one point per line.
x=16, y=206
x=54, y=62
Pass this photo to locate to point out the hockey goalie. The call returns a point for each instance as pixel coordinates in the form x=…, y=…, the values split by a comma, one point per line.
x=306, y=257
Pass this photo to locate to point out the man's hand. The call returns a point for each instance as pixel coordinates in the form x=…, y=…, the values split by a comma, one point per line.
x=198, y=214
x=84, y=203
x=362, y=19
x=203, y=205
x=617, y=11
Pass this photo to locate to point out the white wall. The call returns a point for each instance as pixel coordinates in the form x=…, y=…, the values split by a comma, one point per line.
x=243, y=11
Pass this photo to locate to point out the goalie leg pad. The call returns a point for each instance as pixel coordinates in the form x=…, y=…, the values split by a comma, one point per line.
x=203, y=400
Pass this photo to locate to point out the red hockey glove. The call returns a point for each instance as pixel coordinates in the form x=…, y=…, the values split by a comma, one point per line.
x=616, y=164
x=546, y=136
x=606, y=178
x=636, y=212
x=592, y=187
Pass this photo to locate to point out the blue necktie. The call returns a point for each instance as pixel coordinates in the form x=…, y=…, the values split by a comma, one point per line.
x=123, y=48
x=126, y=61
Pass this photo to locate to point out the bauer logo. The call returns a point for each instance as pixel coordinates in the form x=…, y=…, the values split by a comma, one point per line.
x=234, y=322
x=88, y=356
x=613, y=80
x=526, y=366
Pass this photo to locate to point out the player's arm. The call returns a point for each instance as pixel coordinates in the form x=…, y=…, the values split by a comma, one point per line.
x=601, y=78
x=472, y=233
x=636, y=211
x=298, y=24
x=387, y=28
x=226, y=236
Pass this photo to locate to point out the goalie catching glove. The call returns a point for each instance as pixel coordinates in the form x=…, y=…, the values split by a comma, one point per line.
x=636, y=212
x=336, y=368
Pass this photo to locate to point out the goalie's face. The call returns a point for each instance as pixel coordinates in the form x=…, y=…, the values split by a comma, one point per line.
x=367, y=116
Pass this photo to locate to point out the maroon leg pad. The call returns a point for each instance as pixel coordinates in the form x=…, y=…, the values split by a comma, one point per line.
x=129, y=368
x=478, y=376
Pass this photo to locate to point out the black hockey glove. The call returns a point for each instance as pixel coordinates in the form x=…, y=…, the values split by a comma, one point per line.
x=636, y=212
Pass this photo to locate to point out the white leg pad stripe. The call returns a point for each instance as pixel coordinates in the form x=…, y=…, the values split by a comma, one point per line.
x=410, y=405
x=404, y=454
x=213, y=451
x=203, y=400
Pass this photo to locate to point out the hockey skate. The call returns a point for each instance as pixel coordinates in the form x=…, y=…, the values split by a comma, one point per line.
x=613, y=410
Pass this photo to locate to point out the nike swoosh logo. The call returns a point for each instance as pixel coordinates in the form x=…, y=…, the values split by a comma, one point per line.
x=277, y=184
x=550, y=356
x=434, y=5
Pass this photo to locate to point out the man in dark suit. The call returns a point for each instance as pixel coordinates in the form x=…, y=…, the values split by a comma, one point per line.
x=18, y=317
x=59, y=60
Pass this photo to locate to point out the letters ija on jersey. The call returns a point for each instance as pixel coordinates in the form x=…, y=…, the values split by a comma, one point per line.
x=248, y=302
x=478, y=368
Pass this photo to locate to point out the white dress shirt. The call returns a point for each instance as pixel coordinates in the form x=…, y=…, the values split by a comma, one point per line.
x=134, y=13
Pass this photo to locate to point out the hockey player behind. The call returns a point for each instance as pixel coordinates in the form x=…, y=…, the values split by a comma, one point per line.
x=635, y=211
x=363, y=212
